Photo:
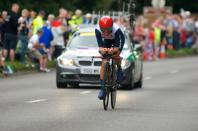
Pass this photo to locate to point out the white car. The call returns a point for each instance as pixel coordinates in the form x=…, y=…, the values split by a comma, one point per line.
x=76, y=65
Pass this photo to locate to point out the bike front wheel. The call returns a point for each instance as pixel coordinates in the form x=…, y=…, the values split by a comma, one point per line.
x=107, y=83
x=106, y=100
x=113, y=98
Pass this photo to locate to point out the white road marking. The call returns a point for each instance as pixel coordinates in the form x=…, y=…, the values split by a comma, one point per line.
x=85, y=92
x=174, y=71
x=35, y=101
x=148, y=78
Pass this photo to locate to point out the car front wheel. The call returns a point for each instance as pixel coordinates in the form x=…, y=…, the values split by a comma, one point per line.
x=131, y=84
x=140, y=82
x=74, y=85
x=61, y=85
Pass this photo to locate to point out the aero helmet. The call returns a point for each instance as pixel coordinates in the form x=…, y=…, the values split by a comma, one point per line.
x=106, y=22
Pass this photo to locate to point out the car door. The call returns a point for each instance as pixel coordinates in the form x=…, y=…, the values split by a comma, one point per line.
x=138, y=62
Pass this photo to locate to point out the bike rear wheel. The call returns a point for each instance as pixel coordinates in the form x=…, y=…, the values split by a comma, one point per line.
x=114, y=87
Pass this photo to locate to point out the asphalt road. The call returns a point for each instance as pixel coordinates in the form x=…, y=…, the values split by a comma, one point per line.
x=168, y=101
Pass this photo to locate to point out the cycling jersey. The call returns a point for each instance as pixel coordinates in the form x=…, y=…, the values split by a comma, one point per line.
x=114, y=39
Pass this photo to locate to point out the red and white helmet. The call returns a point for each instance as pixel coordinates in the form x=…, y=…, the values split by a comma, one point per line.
x=106, y=22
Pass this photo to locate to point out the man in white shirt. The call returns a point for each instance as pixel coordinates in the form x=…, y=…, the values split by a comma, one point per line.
x=35, y=49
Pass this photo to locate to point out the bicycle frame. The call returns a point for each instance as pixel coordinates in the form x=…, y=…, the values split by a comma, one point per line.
x=111, y=84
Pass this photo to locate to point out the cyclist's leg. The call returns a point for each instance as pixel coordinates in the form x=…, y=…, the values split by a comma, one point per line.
x=118, y=61
x=102, y=92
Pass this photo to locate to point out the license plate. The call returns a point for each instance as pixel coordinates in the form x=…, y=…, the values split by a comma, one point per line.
x=90, y=71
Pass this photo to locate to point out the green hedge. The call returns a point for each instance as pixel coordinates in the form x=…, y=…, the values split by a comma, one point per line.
x=181, y=52
x=17, y=66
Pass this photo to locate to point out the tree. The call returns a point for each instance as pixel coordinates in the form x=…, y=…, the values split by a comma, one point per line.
x=52, y=6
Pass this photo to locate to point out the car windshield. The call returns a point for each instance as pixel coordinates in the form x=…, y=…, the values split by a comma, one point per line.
x=86, y=41
x=83, y=42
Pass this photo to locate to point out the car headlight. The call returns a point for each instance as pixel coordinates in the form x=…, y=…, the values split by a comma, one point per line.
x=67, y=62
x=125, y=63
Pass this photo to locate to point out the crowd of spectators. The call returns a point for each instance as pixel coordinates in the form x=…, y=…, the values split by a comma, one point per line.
x=28, y=36
x=169, y=32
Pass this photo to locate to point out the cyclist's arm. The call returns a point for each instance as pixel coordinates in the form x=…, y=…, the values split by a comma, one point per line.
x=119, y=39
x=101, y=46
x=99, y=38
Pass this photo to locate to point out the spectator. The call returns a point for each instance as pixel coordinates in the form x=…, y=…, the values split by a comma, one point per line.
x=11, y=29
x=4, y=69
x=139, y=31
x=196, y=26
x=151, y=48
x=87, y=19
x=157, y=40
x=65, y=17
x=32, y=17
x=183, y=37
x=37, y=52
x=76, y=20
x=169, y=37
x=46, y=39
x=23, y=33
x=3, y=19
x=190, y=40
x=1, y=31
x=176, y=39
x=38, y=22
x=49, y=21
x=58, y=32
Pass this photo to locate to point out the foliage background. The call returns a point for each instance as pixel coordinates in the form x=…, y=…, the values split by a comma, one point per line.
x=52, y=6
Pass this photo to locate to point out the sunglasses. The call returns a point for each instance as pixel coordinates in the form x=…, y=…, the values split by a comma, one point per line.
x=106, y=29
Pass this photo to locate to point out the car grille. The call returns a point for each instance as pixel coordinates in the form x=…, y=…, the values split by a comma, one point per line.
x=68, y=76
x=90, y=77
x=97, y=63
x=89, y=63
x=85, y=63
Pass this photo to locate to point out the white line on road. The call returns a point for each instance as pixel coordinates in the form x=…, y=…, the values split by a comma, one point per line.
x=35, y=101
x=174, y=71
x=148, y=78
x=85, y=92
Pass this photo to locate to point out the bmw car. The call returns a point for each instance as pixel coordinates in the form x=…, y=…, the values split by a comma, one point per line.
x=76, y=65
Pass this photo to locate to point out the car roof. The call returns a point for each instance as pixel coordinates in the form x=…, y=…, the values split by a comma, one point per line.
x=86, y=28
x=91, y=28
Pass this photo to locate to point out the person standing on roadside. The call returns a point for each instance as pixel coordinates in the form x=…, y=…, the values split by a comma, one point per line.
x=3, y=18
x=76, y=20
x=11, y=30
x=23, y=33
x=33, y=15
x=38, y=22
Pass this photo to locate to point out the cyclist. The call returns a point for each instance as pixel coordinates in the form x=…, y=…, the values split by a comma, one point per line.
x=110, y=40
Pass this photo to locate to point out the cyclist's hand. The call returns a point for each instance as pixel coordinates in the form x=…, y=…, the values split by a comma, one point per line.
x=103, y=50
x=111, y=51
x=114, y=50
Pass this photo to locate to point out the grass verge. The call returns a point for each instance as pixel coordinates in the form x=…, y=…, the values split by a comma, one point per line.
x=181, y=53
